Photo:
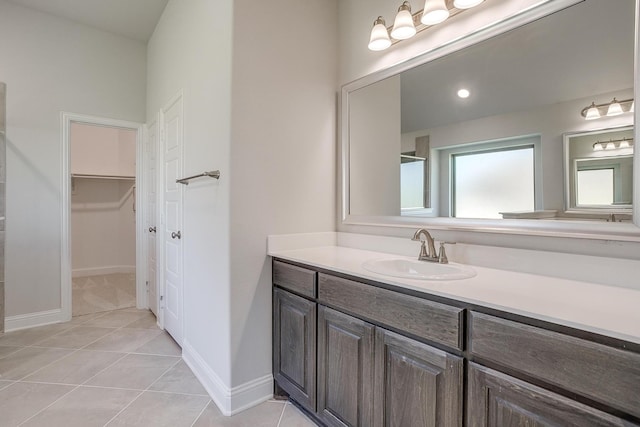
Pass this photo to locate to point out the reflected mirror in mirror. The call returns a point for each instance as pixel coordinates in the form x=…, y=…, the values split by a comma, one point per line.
x=416, y=148
x=599, y=168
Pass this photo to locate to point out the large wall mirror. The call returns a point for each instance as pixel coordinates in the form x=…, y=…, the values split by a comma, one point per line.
x=496, y=130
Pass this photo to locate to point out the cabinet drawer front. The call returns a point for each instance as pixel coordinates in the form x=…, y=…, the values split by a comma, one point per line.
x=426, y=319
x=604, y=374
x=296, y=279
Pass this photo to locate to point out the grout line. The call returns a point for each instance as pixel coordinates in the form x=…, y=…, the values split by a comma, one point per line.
x=50, y=405
x=123, y=409
x=284, y=407
x=105, y=368
x=73, y=351
x=163, y=374
x=201, y=412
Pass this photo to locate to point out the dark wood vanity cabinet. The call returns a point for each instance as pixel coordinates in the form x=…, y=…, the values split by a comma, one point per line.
x=358, y=354
x=294, y=346
x=415, y=384
x=345, y=369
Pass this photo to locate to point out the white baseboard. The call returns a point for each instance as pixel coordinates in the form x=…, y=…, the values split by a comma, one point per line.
x=110, y=269
x=31, y=320
x=230, y=401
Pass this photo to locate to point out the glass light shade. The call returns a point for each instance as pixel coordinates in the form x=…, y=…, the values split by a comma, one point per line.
x=435, y=12
x=597, y=147
x=610, y=146
x=624, y=144
x=614, y=109
x=633, y=106
x=466, y=4
x=403, y=27
x=379, y=36
x=592, y=112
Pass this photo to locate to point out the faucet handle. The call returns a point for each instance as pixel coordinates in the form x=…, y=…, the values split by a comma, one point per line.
x=442, y=254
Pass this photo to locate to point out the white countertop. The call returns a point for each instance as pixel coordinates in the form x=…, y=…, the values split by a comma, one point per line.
x=607, y=310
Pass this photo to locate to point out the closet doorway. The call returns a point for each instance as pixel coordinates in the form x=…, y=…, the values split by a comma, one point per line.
x=101, y=271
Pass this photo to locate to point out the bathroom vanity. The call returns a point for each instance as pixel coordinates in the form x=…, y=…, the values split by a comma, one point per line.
x=362, y=350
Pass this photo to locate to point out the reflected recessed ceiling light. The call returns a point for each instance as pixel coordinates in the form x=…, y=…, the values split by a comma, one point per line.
x=466, y=4
x=463, y=93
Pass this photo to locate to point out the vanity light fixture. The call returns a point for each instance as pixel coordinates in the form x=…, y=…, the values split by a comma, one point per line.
x=403, y=27
x=466, y=4
x=434, y=12
x=406, y=24
x=613, y=144
x=613, y=108
x=379, y=36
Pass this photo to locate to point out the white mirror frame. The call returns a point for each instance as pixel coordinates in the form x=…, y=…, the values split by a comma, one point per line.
x=557, y=228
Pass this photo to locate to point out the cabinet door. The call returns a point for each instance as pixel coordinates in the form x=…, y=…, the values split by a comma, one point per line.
x=294, y=347
x=498, y=400
x=416, y=385
x=345, y=369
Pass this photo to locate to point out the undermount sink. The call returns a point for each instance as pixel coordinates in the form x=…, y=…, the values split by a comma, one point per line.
x=414, y=269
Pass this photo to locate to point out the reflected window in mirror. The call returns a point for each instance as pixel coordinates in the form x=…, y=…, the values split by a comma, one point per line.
x=488, y=183
x=487, y=179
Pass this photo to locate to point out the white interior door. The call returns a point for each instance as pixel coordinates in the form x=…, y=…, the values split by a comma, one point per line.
x=172, y=218
x=151, y=220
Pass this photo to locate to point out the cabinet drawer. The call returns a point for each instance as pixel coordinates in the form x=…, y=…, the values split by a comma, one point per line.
x=596, y=371
x=426, y=319
x=296, y=279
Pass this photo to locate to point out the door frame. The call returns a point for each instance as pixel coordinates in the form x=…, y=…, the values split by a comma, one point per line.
x=65, y=250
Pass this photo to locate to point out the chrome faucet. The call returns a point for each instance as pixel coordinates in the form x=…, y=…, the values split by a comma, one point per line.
x=424, y=255
x=430, y=254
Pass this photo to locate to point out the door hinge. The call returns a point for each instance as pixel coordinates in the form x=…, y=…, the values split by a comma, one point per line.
x=147, y=283
x=161, y=297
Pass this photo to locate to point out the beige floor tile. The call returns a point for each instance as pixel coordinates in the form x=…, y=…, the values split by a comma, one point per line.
x=160, y=410
x=7, y=350
x=76, y=337
x=179, y=379
x=147, y=322
x=92, y=294
x=4, y=384
x=162, y=344
x=124, y=340
x=28, y=360
x=84, y=407
x=76, y=368
x=293, y=417
x=32, y=335
x=20, y=401
x=266, y=414
x=116, y=319
x=134, y=371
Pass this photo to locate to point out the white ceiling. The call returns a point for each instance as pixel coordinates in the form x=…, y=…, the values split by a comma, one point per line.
x=580, y=52
x=135, y=19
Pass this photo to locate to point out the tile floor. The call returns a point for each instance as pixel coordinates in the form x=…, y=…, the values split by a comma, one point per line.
x=112, y=369
x=104, y=292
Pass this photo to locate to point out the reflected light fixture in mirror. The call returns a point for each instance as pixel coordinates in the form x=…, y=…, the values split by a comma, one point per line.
x=611, y=144
x=405, y=24
x=613, y=108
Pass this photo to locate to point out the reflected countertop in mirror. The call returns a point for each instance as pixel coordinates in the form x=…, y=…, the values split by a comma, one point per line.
x=415, y=152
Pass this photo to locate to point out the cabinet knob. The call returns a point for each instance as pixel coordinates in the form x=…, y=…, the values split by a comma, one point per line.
x=176, y=234
x=152, y=229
